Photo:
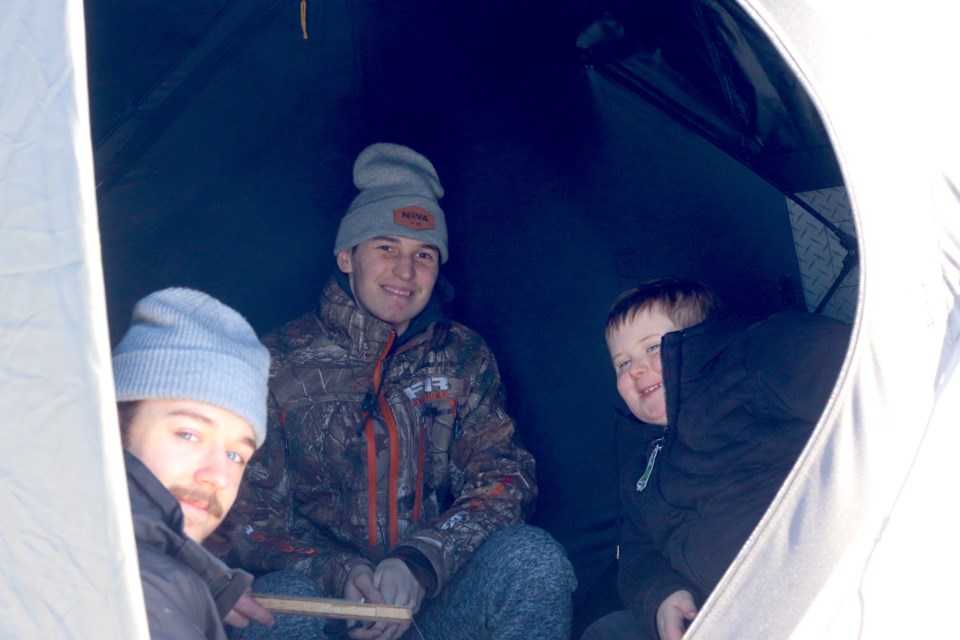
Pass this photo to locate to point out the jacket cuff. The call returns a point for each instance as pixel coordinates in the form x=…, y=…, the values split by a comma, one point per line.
x=419, y=566
x=656, y=596
x=332, y=575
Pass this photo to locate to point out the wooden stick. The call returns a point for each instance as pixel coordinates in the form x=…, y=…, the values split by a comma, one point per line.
x=332, y=608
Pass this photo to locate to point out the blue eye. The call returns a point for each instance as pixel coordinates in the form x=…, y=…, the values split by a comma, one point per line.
x=236, y=457
x=189, y=436
x=653, y=348
x=623, y=365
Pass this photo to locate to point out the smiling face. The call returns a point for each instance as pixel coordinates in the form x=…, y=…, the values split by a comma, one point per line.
x=197, y=451
x=635, y=352
x=391, y=277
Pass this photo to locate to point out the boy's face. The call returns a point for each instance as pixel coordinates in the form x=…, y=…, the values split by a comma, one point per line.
x=391, y=277
x=635, y=352
x=198, y=452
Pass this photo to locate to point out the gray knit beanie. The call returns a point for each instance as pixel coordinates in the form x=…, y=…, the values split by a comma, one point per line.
x=185, y=345
x=399, y=190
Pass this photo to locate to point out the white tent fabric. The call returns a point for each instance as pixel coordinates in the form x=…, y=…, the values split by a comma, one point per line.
x=66, y=542
x=859, y=543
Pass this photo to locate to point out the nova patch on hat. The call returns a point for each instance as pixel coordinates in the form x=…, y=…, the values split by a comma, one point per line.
x=414, y=218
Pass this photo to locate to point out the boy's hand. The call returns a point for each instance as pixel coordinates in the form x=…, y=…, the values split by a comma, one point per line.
x=673, y=613
x=360, y=588
x=248, y=609
x=398, y=584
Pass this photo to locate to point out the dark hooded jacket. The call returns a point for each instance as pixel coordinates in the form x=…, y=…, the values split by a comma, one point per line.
x=740, y=408
x=378, y=446
x=187, y=591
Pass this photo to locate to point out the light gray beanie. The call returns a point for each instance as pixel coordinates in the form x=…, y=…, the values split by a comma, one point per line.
x=399, y=190
x=185, y=345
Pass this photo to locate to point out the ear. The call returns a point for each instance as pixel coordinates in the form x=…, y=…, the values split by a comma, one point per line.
x=343, y=261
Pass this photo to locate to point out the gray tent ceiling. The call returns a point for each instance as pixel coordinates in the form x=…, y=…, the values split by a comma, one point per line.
x=417, y=63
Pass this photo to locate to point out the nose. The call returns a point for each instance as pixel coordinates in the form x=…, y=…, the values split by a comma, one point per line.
x=214, y=469
x=404, y=268
x=639, y=366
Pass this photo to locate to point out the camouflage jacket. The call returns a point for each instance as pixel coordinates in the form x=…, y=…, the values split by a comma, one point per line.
x=350, y=408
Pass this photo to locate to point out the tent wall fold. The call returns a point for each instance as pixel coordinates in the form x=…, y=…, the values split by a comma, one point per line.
x=66, y=543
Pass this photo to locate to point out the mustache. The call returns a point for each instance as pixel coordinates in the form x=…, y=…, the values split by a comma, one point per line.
x=207, y=498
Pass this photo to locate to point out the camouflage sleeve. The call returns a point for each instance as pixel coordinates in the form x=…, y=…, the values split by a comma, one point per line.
x=260, y=534
x=493, y=478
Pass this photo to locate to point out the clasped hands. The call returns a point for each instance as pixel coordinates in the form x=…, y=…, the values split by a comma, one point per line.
x=391, y=583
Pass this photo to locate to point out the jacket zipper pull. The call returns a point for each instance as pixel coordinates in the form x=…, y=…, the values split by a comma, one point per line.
x=427, y=416
x=369, y=404
x=457, y=423
x=651, y=460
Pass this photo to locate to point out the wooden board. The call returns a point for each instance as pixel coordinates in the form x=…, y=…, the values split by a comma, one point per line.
x=332, y=608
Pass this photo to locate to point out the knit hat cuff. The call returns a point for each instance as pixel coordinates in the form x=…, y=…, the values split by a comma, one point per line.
x=186, y=374
x=185, y=345
x=413, y=216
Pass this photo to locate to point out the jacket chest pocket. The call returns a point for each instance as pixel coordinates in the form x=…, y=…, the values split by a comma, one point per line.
x=436, y=404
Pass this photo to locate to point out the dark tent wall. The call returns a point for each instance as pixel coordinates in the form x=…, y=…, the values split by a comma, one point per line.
x=537, y=278
x=224, y=144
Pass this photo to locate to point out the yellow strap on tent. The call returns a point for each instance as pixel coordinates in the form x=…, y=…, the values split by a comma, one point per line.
x=303, y=18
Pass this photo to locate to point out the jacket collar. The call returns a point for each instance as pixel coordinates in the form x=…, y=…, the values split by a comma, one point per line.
x=437, y=310
x=158, y=519
x=686, y=356
x=158, y=523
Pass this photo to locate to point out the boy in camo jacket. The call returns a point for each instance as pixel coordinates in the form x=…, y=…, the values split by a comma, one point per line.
x=391, y=471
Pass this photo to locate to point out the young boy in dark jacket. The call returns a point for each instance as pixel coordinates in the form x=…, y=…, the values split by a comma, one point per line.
x=719, y=416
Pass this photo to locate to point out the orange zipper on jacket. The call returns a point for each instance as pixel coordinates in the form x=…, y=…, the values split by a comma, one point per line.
x=372, y=448
x=393, y=480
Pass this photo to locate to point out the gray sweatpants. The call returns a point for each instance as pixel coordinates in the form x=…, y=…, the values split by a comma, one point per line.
x=518, y=585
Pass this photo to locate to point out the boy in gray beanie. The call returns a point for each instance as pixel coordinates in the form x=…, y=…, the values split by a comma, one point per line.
x=391, y=471
x=191, y=386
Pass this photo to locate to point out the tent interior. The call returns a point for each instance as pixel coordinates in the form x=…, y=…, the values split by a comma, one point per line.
x=584, y=146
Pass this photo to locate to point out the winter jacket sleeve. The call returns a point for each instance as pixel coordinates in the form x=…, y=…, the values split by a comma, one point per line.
x=645, y=578
x=494, y=481
x=260, y=533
